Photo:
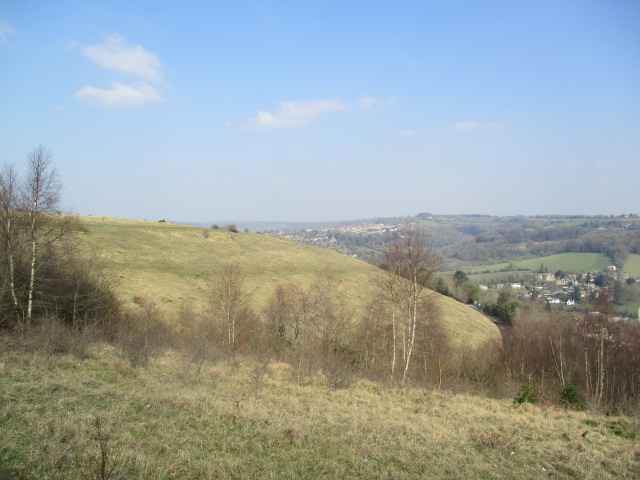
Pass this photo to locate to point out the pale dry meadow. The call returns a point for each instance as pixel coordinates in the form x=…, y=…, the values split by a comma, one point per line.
x=241, y=419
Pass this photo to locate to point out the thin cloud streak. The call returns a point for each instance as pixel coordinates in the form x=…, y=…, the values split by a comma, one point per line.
x=119, y=95
x=295, y=114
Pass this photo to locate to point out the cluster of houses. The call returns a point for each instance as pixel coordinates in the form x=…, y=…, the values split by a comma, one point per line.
x=323, y=234
x=568, y=289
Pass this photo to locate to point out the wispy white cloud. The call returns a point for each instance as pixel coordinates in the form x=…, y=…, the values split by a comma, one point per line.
x=571, y=164
x=472, y=126
x=120, y=95
x=6, y=31
x=294, y=114
x=116, y=54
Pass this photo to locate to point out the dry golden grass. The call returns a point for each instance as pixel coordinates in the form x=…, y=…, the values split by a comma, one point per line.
x=176, y=265
x=241, y=420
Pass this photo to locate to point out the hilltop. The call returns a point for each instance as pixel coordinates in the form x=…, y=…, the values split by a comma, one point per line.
x=176, y=265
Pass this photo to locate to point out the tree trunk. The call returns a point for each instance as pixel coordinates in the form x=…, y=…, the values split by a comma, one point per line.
x=32, y=270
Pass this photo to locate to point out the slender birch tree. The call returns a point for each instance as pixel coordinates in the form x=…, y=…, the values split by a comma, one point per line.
x=41, y=199
x=406, y=297
x=9, y=211
x=231, y=303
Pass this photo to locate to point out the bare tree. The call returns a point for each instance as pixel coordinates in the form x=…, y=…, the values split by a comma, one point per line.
x=598, y=331
x=290, y=315
x=405, y=297
x=390, y=292
x=231, y=306
x=41, y=199
x=8, y=227
x=310, y=328
x=31, y=229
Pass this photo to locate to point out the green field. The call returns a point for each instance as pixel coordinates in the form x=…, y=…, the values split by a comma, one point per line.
x=243, y=420
x=176, y=265
x=568, y=262
x=632, y=265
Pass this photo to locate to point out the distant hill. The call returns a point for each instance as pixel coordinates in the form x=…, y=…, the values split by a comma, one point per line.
x=465, y=241
x=255, y=226
x=175, y=265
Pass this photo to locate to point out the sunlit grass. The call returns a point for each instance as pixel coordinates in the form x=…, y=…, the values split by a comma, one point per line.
x=176, y=265
x=235, y=420
x=632, y=265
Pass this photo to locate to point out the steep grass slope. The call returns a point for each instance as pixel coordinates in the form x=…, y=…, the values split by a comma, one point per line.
x=176, y=265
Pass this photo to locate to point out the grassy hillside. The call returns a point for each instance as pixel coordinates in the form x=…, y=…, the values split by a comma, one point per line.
x=248, y=421
x=174, y=265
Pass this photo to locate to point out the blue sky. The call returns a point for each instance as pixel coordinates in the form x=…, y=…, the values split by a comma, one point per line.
x=332, y=110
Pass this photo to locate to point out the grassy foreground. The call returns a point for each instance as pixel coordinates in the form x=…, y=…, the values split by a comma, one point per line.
x=176, y=265
x=241, y=420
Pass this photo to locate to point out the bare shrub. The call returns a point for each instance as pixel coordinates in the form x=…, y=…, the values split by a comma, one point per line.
x=104, y=464
x=310, y=329
x=340, y=367
x=143, y=333
x=49, y=336
x=198, y=339
x=481, y=370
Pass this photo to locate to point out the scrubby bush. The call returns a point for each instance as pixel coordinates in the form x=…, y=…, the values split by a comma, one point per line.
x=143, y=333
x=51, y=337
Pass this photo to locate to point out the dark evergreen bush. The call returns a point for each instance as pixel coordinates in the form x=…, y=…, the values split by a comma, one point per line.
x=527, y=393
x=570, y=397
